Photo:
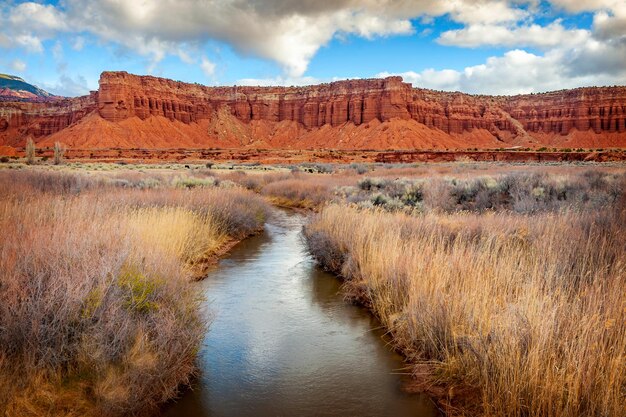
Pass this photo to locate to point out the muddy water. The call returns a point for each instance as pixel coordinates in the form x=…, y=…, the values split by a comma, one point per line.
x=284, y=343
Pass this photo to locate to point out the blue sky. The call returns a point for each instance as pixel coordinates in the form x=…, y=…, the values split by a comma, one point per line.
x=476, y=46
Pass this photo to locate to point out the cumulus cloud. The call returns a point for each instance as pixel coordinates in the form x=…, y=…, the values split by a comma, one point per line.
x=576, y=6
x=572, y=56
x=43, y=18
x=17, y=65
x=207, y=66
x=611, y=25
x=291, y=32
x=283, y=81
x=553, y=34
x=486, y=12
x=515, y=72
x=29, y=42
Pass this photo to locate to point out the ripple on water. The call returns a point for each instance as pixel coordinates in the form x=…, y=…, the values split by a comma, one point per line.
x=284, y=342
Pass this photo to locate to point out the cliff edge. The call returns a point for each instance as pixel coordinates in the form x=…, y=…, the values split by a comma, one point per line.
x=131, y=111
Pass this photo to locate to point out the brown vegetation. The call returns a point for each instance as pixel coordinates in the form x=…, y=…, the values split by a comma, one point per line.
x=97, y=316
x=597, y=153
x=501, y=313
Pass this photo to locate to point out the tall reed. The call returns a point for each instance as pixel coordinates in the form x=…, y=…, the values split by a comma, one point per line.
x=97, y=314
x=526, y=313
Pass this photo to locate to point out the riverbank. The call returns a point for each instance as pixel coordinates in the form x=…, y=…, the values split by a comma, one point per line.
x=97, y=315
x=283, y=341
x=462, y=263
x=501, y=313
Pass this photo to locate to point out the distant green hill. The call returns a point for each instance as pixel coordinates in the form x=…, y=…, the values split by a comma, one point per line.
x=18, y=85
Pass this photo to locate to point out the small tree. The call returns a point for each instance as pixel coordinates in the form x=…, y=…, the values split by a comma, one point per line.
x=30, y=151
x=59, y=151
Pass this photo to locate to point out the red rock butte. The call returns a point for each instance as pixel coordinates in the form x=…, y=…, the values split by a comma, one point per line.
x=130, y=111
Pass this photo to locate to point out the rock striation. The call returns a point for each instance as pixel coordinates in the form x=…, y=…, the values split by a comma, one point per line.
x=342, y=112
x=20, y=120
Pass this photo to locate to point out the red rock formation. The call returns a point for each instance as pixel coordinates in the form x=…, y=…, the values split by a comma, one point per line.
x=145, y=111
x=122, y=95
x=359, y=101
x=601, y=109
x=19, y=120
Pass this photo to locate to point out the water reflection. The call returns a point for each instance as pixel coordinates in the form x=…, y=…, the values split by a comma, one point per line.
x=284, y=343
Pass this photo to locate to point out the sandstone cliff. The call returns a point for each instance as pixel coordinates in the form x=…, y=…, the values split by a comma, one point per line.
x=144, y=111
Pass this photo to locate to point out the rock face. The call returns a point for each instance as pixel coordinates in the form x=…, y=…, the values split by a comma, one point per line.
x=122, y=95
x=129, y=106
x=19, y=120
x=601, y=109
x=360, y=101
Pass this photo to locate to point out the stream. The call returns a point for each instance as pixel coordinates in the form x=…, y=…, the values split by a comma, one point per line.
x=283, y=341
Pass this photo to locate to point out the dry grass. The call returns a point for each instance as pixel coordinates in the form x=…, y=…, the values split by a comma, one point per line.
x=97, y=316
x=298, y=192
x=515, y=315
x=438, y=187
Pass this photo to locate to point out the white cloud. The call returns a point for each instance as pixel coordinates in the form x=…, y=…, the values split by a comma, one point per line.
x=610, y=25
x=576, y=6
x=291, y=32
x=516, y=72
x=284, y=81
x=78, y=44
x=18, y=65
x=57, y=51
x=572, y=57
x=5, y=41
x=485, y=12
x=68, y=86
x=39, y=17
x=430, y=78
x=207, y=66
x=29, y=42
x=554, y=34
x=288, y=32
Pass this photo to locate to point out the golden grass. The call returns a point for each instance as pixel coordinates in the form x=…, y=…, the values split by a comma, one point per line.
x=191, y=237
x=97, y=314
x=527, y=313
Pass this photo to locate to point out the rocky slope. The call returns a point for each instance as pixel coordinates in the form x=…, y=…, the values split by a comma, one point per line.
x=14, y=88
x=132, y=111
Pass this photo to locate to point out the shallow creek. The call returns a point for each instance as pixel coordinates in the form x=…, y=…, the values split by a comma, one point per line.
x=283, y=342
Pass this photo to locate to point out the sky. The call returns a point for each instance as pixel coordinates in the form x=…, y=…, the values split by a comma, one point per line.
x=474, y=46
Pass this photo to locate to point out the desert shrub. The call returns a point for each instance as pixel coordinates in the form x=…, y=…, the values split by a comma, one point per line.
x=50, y=182
x=523, y=314
x=97, y=316
x=192, y=182
x=372, y=183
x=359, y=168
x=298, y=192
x=58, y=153
x=4, y=159
x=29, y=151
x=82, y=330
x=437, y=195
x=316, y=167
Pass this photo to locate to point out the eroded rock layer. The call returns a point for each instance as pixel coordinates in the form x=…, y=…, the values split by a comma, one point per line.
x=145, y=111
x=20, y=120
